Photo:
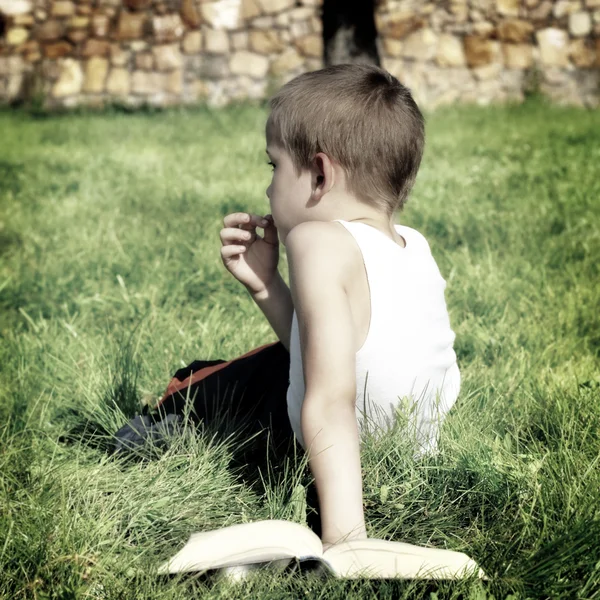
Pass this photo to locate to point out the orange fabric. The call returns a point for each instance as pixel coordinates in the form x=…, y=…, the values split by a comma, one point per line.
x=176, y=386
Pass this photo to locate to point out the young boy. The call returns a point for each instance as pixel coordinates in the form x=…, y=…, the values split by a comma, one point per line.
x=364, y=319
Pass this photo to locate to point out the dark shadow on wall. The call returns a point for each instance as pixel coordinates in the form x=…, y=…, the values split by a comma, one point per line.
x=349, y=32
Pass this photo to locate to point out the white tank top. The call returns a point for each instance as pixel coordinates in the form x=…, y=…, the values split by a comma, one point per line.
x=407, y=362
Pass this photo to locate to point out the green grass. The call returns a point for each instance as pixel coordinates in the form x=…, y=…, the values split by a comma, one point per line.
x=111, y=279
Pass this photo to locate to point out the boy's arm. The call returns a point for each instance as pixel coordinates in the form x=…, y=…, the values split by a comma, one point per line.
x=276, y=304
x=329, y=426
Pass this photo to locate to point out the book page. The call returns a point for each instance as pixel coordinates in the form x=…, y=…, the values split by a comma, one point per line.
x=247, y=543
x=382, y=559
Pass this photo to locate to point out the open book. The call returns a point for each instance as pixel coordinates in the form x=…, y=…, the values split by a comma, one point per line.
x=272, y=541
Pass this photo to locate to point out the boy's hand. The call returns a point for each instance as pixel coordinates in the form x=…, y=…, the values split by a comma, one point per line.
x=252, y=260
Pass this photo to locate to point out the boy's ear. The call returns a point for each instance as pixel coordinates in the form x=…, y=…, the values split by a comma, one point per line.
x=325, y=175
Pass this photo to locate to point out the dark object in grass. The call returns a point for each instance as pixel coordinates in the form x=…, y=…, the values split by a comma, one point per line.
x=143, y=428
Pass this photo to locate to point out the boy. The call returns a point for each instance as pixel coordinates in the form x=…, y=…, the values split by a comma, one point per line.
x=364, y=319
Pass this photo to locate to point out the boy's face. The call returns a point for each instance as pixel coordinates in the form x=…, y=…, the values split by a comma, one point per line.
x=288, y=194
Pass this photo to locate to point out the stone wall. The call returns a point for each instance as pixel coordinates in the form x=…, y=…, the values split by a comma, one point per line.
x=66, y=53
x=493, y=50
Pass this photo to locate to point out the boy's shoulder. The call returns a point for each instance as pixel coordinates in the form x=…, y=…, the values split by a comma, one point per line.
x=326, y=242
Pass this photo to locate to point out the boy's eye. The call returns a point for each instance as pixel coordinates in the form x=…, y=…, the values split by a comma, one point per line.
x=270, y=163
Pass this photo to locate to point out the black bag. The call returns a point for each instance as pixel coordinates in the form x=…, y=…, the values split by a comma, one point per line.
x=245, y=396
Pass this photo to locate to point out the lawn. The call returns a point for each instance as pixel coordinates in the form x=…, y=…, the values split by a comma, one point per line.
x=111, y=280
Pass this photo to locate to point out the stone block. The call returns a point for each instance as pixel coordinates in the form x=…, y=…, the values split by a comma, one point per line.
x=57, y=49
x=301, y=13
x=77, y=35
x=78, y=21
x=263, y=22
x=225, y=14
x=62, y=8
x=167, y=57
x=289, y=60
x=240, y=40
x=146, y=83
x=138, y=45
x=483, y=29
x=541, y=12
x=459, y=9
x=517, y=56
x=580, y=24
x=299, y=29
x=23, y=20
x=94, y=47
x=96, y=70
x=32, y=57
x=399, y=26
x=190, y=14
x=479, y=51
x=312, y=45
x=248, y=63
x=592, y=3
x=192, y=42
x=70, y=78
x=265, y=41
x=313, y=64
x=491, y=71
x=421, y=44
x=566, y=7
x=174, y=82
x=275, y=6
x=118, y=56
x=100, y=25
x=130, y=26
x=582, y=54
x=144, y=61
x=392, y=47
x=216, y=41
x=118, y=83
x=11, y=8
x=14, y=86
x=394, y=66
x=249, y=9
x=83, y=9
x=515, y=30
x=316, y=25
x=167, y=28
x=508, y=8
x=553, y=46
x=450, y=51
x=213, y=66
x=16, y=36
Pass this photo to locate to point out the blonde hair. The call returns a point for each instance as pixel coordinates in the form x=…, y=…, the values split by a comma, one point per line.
x=362, y=117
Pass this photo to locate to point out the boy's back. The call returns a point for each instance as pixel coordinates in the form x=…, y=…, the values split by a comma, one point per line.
x=404, y=340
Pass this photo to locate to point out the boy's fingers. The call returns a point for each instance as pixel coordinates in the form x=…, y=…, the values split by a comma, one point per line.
x=245, y=220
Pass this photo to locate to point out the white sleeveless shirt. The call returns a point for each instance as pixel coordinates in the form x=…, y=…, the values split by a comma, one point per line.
x=407, y=362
